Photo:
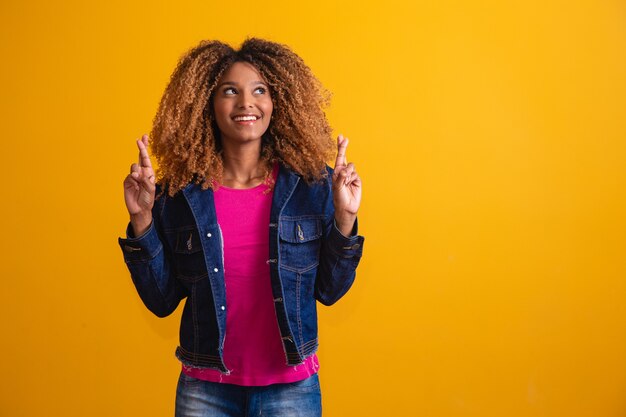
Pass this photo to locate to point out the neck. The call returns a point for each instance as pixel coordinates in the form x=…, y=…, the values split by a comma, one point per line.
x=243, y=167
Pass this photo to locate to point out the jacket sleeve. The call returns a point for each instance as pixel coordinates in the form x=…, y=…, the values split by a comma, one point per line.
x=149, y=261
x=339, y=256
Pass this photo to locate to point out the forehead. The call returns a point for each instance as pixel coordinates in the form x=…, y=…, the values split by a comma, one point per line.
x=241, y=73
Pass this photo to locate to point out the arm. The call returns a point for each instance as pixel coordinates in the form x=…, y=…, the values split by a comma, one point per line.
x=339, y=257
x=342, y=248
x=147, y=259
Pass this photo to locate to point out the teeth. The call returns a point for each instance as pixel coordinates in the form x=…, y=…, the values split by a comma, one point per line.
x=245, y=118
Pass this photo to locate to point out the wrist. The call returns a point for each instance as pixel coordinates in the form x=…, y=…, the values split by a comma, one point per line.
x=140, y=223
x=345, y=223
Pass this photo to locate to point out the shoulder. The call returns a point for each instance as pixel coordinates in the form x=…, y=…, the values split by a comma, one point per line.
x=306, y=190
x=325, y=177
x=163, y=200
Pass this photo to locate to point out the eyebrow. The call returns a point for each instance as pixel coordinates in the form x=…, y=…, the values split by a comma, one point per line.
x=234, y=83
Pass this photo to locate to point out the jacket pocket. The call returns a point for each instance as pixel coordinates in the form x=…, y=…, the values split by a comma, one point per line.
x=188, y=254
x=300, y=241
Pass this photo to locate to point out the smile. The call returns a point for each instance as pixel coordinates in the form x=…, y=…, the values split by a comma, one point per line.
x=250, y=118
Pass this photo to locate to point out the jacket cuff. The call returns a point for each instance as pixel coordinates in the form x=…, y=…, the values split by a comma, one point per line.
x=142, y=248
x=346, y=246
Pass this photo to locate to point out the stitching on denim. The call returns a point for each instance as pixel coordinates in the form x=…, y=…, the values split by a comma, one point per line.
x=173, y=230
x=183, y=241
x=300, y=270
x=193, y=278
x=282, y=204
x=200, y=356
x=298, y=358
x=204, y=244
x=223, y=338
x=194, y=316
x=305, y=347
x=306, y=350
x=298, y=284
x=322, y=296
x=353, y=253
x=147, y=259
x=202, y=361
x=285, y=233
x=304, y=217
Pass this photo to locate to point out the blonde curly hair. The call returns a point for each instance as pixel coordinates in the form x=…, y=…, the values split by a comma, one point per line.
x=186, y=139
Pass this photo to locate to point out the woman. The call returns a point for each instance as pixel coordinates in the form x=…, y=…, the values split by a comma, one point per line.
x=248, y=223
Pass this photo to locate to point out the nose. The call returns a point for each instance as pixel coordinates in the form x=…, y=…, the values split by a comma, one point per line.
x=245, y=100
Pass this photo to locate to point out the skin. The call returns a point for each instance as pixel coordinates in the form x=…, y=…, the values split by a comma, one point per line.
x=241, y=90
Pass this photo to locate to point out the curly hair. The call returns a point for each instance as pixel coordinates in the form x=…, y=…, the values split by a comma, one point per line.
x=186, y=139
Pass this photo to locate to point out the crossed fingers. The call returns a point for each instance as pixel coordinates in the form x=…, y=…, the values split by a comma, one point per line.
x=342, y=145
x=345, y=172
x=144, y=165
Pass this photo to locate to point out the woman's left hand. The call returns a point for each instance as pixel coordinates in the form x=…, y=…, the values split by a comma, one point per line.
x=346, y=189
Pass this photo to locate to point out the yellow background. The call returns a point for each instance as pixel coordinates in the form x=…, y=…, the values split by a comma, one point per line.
x=491, y=139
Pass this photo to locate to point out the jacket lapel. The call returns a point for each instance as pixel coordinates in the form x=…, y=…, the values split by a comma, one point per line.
x=202, y=205
x=283, y=189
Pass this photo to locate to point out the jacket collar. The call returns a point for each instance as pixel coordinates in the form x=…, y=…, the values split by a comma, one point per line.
x=202, y=202
x=283, y=189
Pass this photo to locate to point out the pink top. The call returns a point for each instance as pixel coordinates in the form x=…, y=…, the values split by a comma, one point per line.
x=253, y=349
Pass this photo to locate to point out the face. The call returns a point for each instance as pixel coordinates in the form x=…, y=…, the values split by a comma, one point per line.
x=242, y=104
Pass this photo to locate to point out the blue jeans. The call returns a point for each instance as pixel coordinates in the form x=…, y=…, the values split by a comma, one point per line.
x=197, y=398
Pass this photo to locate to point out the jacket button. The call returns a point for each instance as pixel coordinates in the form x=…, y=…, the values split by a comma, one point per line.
x=215, y=269
x=223, y=308
x=209, y=235
x=356, y=246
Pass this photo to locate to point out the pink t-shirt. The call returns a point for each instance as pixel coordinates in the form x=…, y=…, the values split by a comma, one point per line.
x=253, y=349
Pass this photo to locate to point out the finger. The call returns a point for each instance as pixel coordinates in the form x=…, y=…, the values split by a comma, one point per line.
x=147, y=172
x=337, y=179
x=350, y=168
x=342, y=143
x=339, y=174
x=130, y=179
x=147, y=182
x=135, y=171
x=144, y=158
x=342, y=178
x=336, y=172
x=349, y=171
x=144, y=140
x=355, y=180
x=130, y=182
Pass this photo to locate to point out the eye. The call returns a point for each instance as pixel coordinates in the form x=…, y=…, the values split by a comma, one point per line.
x=260, y=90
x=229, y=91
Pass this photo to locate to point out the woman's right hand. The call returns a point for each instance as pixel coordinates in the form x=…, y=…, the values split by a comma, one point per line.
x=139, y=190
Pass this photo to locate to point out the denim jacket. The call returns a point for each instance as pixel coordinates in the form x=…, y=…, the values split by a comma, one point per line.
x=181, y=256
